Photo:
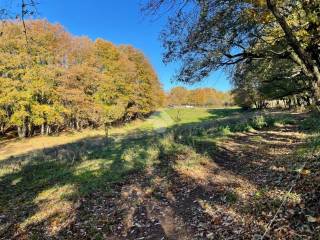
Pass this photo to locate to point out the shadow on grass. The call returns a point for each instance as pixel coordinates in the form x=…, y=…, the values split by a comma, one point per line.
x=224, y=112
x=82, y=167
x=76, y=190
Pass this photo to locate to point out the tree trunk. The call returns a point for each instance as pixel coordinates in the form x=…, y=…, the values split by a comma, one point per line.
x=305, y=57
x=106, y=130
x=316, y=93
x=42, y=129
x=31, y=129
x=2, y=129
x=78, y=125
x=22, y=131
x=48, y=132
x=20, y=134
x=75, y=123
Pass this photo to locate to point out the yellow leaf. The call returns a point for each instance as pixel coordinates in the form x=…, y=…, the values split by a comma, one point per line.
x=305, y=172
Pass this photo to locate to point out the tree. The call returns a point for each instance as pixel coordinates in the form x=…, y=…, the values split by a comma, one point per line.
x=247, y=82
x=178, y=96
x=146, y=90
x=210, y=34
x=25, y=8
x=259, y=81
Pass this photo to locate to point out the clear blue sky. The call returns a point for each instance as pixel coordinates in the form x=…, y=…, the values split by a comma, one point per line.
x=121, y=22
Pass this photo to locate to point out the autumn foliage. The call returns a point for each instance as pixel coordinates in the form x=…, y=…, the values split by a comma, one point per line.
x=200, y=97
x=57, y=81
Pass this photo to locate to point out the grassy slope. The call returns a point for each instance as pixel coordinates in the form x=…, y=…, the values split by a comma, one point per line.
x=42, y=188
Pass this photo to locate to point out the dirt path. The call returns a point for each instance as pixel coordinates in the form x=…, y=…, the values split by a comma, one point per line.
x=233, y=196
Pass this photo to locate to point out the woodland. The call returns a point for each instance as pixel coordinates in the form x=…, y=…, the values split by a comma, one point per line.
x=57, y=81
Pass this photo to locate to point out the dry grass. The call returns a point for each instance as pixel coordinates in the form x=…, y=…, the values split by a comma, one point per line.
x=18, y=147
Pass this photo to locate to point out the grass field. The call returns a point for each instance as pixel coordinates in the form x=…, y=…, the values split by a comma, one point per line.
x=158, y=121
x=207, y=172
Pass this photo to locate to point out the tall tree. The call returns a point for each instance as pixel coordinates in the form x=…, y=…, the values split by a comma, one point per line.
x=209, y=34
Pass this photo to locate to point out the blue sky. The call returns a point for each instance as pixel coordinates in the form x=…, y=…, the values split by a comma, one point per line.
x=121, y=22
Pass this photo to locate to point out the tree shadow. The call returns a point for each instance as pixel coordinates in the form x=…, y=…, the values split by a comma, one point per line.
x=80, y=168
x=250, y=157
x=191, y=203
x=220, y=113
x=129, y=187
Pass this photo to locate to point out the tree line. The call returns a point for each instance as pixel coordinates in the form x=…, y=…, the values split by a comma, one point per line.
x=56, y=81
x=200, y=97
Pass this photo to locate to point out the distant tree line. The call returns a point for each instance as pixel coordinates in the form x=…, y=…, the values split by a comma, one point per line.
x=57, y=81
x=201, y=97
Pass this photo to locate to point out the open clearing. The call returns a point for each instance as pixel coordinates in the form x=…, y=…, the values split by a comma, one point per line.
x=181, y=174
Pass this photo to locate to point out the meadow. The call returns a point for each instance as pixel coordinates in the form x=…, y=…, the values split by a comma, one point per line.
x=204, y=173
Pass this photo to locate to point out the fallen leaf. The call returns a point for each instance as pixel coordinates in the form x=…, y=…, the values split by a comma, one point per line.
x=210, y=235
x=312, y=219
x=305, y=172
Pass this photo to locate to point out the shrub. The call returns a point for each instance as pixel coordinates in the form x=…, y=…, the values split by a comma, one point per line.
x=224, y=130
x=199, y=131
x=288, y=120
x=258, y=122
x=282, y=120
x=242, y=127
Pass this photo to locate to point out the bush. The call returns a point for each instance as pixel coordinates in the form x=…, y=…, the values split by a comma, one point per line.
x=314, y=143
x=224, y=130
x=199, y=131
x=231, y=197
x=258, y=122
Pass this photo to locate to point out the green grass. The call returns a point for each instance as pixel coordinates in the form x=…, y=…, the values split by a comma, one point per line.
x=224, y=130
x=51, y=180
x=231, y=197
x=194, y=115
x=258, y=122
x=89, y=162
x=311, y=126
x=188, y=115
x=311, y=123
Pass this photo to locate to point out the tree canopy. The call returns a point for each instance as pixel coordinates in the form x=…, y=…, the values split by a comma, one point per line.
x=201, y=97
x=209, y=34
x=60, y=81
